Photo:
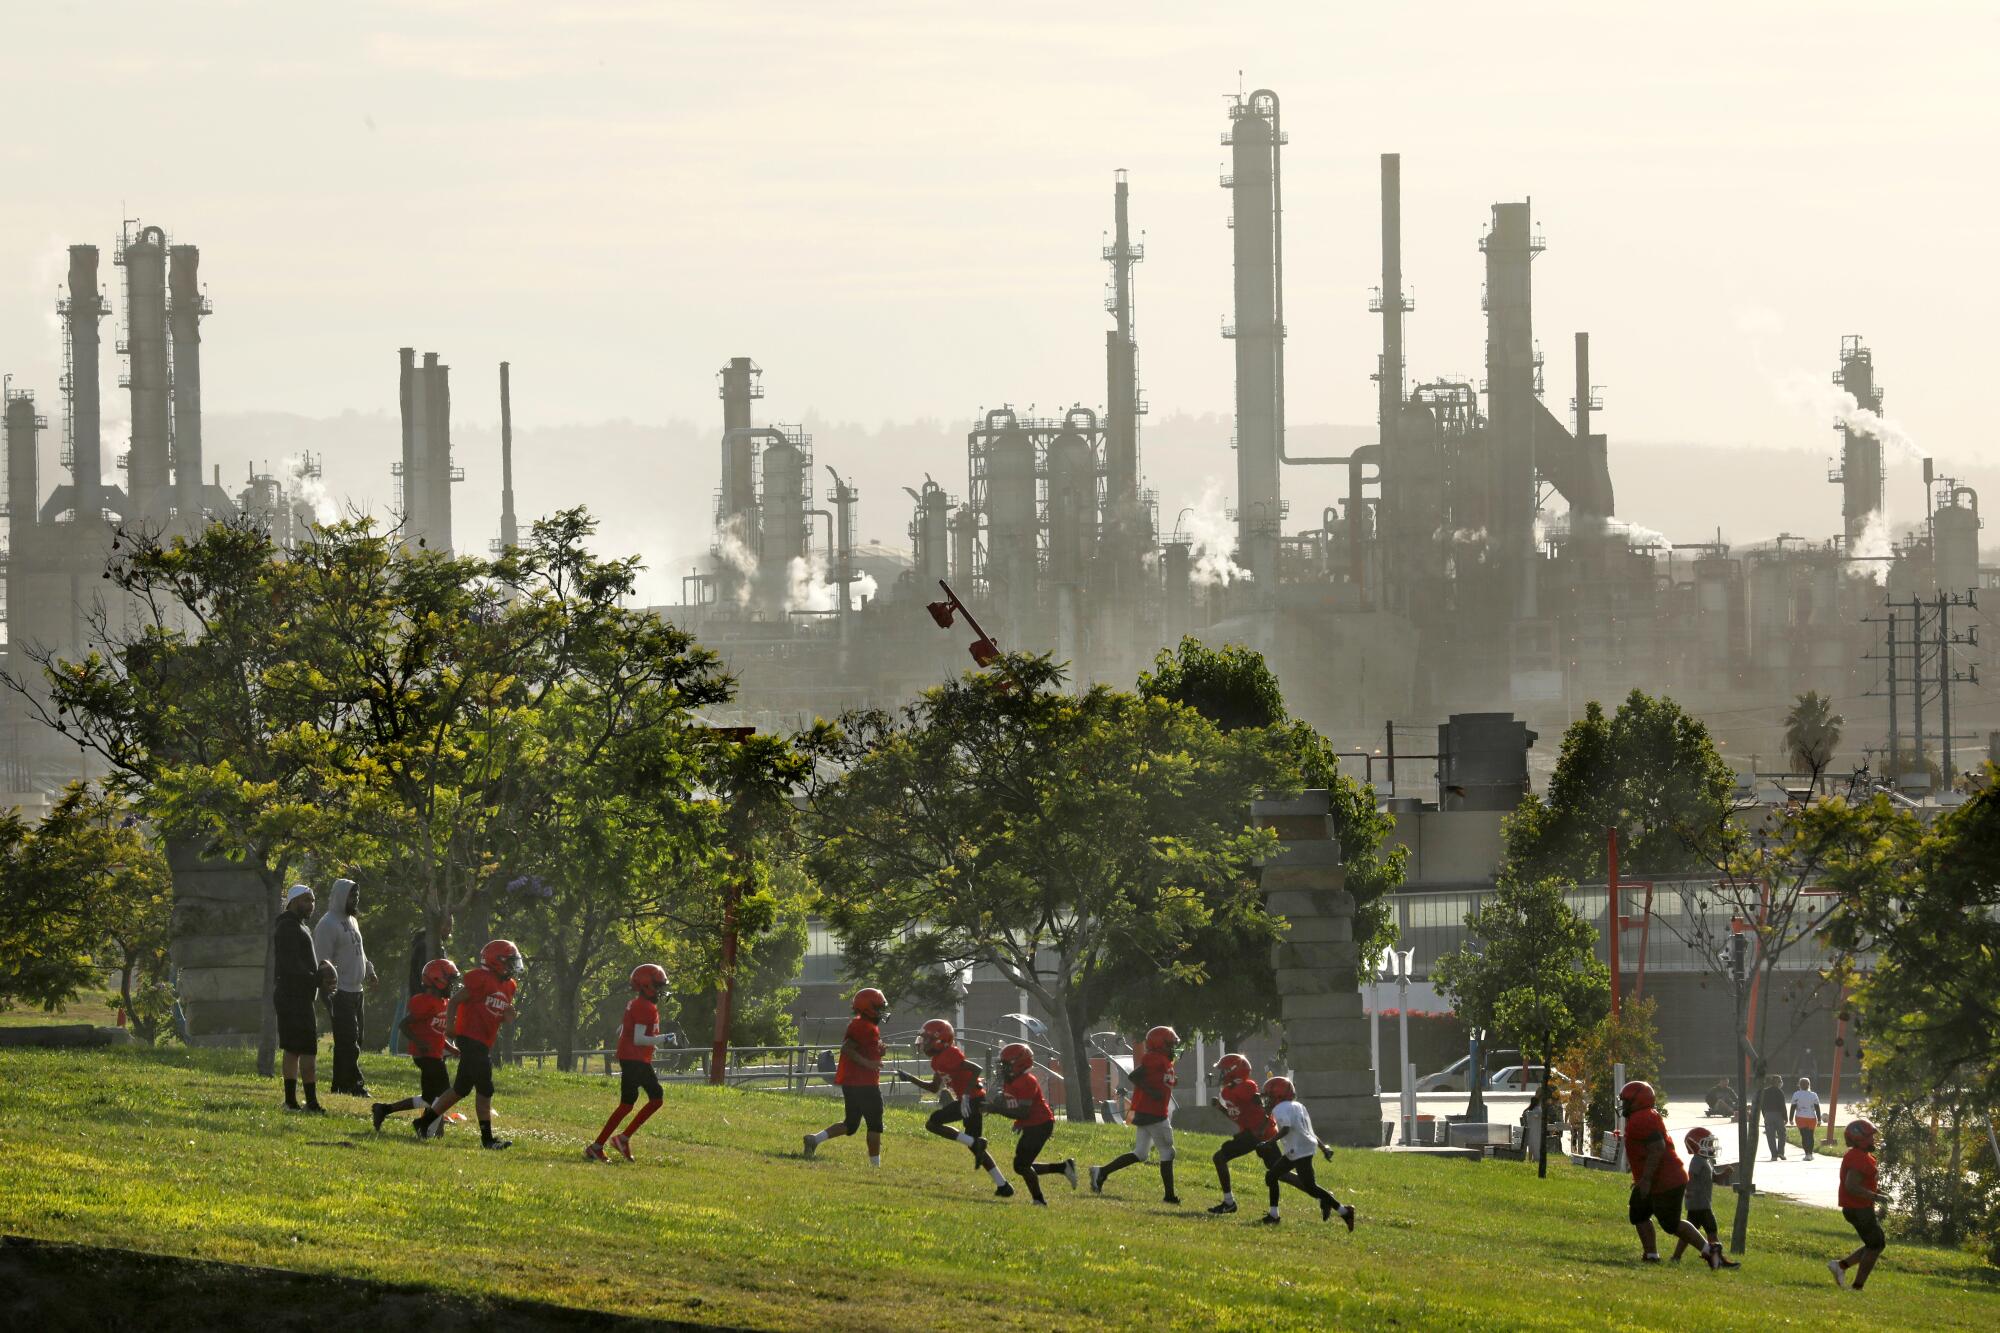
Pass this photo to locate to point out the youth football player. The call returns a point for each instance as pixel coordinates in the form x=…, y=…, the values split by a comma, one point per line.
x=423, y=1033
x=1153, y=1081
x=1239, y=1100
x=1858, y=1197
x=961, y=1097
x=859, y=1075
x=1292, y=1163
x=1021, y=1101
x=638, y=1036
x=476, y=1013
x=1659, y=1181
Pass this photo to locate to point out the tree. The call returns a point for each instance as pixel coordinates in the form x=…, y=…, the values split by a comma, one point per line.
x=1630, y=1037
x=1004, y=821
x=1812, y=734
x=1650, y=771
x=1777, y=885
x=1530, y=972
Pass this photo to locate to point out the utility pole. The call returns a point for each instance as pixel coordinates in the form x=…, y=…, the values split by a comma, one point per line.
x=1946, y=604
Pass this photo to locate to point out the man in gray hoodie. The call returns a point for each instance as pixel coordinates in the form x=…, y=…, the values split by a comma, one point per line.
x=337, y=938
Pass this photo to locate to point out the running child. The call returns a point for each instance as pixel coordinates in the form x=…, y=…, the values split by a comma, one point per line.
x=1239, y=1100
x=1153, y=1081
x=638, y=1035
x=1703, y=1176
x=1858, y=1197
x=961, y=1097
x=1659, y=1181
x=423, y=1033
x=474, y=1018
x=1021, y=1101
x=1292, y=1163
x=859, y=1074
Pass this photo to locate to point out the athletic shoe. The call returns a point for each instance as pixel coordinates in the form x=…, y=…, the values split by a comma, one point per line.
x=1839, y=1273
x=1041, y=1203
x=594, y=1152
x=1724, y=1261
x=1005, y=1191
x=1712, y=1256
x=313, y=1108
x=1347, y=1216
x=811, y=1147
x=1226, y=1206
x=1097, y=1180
x=1326, y=1151
x=360, y=1090
x=1171, y=1198
x=380, y=1110
x=1069, y=1171
x=437, y=1128
x=495, y=1145
x=623, y=1143
x=1649, y=1258
x=423, y=1130
x=1268, y=1220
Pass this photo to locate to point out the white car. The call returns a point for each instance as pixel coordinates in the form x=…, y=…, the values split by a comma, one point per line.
x=1455, y=1077
x=1525, y=1078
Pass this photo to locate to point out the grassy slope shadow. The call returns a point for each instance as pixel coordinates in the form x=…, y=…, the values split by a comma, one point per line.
x=58, y=1288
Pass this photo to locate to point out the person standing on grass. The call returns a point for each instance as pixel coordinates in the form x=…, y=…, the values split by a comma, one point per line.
x=1772, y=1106
x=1153, y=1080
x=299, y=979
x=638, y=1035
x=961, y=1097
x=1805, y=1114
x=1857, y=1198
x=337, y=938
x=1659, y=1181
x=1703, y=1176
x=475, y=1016
x=1021, y=1101
x=859, y=1075
x=1239, y=1100
x=423, y=1033
x=1292, y=1163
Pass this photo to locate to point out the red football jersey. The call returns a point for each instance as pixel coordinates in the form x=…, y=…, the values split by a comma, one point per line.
x=1639, y=1130
x=867, y=1038
x=1240, y=1103
x=642, y=1018
x=1026, y=1090
x=426, y=1015
x=1153, y=1084
x=1862, y=1162
x=480, y=1008
x=958, y=1073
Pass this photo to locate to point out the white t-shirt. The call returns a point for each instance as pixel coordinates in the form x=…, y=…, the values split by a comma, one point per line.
x=1293, y=1116
x=1805, y=1104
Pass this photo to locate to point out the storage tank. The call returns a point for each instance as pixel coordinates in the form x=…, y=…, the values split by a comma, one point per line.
x=1955, y=529
x=781, y=527
x=1072, y=507
x=964, y=544
x=1011, y=547
x=930, y=533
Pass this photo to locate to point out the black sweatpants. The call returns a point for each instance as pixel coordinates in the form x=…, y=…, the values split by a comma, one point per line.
x=949, y=1114
x=1242, y=1146
x=1027, y=1148
x=346, y=1006
x=1298, y=1173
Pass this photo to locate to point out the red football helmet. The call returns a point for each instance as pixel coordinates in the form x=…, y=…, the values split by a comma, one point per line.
x=1861, y=1134
x=1163, y=1039
x=650, y=980
x=1232, y=1069
x=1016, y=1059
x=1699, y=1140
x=1637, y=1096
x=440, y=975
x=936, y=1035
x=1278, y=1089
x=504, y=957
x=871, y=1004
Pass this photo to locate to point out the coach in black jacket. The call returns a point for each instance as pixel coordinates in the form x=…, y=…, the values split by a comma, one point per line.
x=300, y=977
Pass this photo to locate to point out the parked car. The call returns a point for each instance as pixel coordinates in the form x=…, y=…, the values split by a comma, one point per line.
x=1454, y=1077
x=1526, y=1078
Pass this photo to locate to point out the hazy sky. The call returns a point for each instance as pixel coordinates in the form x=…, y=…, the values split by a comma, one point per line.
x=896, y=209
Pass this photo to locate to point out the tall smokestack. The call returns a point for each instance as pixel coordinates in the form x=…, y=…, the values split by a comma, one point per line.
x=1122, y=405
x=510, y=533
x=185, y=307
x=24, y=483
x=1860, y=472
x=146, y=475
x=1397, y=500
x=1510, y=247
x=438, y=471
x=81, y=426
x=1255, y=141
x=410, y=483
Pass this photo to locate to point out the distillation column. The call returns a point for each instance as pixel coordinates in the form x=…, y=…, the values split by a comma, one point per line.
x=186, y=305
x=1255, y=141
x=84, y=447
x=146, y=476
x=510, y=530
x=1125, y=525
x=1860, y=471
x=1510, y=247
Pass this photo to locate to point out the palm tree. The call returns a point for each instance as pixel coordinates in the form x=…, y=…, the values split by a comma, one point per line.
x=1812, y=733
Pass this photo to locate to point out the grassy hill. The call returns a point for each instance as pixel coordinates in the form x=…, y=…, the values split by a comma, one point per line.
x=187, y=1154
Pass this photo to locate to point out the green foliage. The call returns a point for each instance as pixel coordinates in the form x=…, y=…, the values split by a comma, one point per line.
x=1529, y=971
x=1938, y=1167
x=1232, y=686
x=1003, y=820
x=1812, y=734
x=1650, y=771
x=1633, y=1039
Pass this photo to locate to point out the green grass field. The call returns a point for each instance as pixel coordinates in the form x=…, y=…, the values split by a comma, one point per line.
x=187, y=1154
x=99, y=1007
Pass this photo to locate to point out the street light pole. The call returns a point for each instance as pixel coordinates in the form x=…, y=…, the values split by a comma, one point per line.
x=1404, y=961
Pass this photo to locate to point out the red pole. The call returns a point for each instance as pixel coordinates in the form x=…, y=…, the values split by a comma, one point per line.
x=1611, y=853
x=725, y=997
x=1839, y=1051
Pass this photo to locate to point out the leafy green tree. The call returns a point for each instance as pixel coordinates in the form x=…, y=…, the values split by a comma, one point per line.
x=1005, y=821
x=1650, y=771
x=1631, y=1038
x=1812, y=734
x=1529, y=972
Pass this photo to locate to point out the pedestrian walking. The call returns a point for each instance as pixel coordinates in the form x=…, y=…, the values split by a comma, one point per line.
x=1772, y=1106
x=1805, y=1114
x=337, y=939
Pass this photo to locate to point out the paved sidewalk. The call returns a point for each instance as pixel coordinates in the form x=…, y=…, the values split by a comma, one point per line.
x=1814, y=1180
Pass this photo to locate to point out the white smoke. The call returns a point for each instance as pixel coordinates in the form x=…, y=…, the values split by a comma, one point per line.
x=308, y=489
x=1212, y=541
x=1827, y=400
x=806, y=588
x=1870, y=551
x=862, y=589
x=735, y=553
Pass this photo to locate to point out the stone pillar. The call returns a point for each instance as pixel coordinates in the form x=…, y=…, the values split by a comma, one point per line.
x=222, y=924
x=1319, y=971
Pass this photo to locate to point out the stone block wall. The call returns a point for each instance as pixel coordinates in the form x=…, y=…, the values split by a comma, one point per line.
x=222, y=921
